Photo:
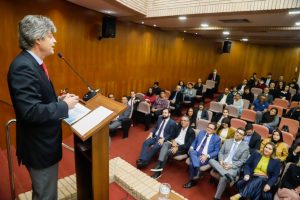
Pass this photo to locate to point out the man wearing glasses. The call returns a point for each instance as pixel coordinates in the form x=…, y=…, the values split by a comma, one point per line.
x=178, y=145
x=232, y=156
x=206, y=146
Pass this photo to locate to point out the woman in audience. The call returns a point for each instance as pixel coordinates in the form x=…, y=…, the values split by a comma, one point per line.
x=261, y=172
x=225, y=131
x=270, y=119
x=294, y=113
x=219, y=116
x=238, y=103
x=285, y=94
x=192, y=116
x=182, y=85
x=281, y=147
x=248, y=94
x=280, y=86
x=150, y=97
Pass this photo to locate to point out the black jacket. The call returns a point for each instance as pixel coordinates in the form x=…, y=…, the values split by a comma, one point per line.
x=189, y=138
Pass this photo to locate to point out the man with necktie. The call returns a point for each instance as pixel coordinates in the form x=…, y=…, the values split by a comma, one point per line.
x=232, y=156
x=161, y=133
x=215, y=77
x=206, y=146
x=38, y=110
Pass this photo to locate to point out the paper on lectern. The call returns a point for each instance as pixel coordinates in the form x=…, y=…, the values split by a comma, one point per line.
x=76, y=113
x=91, y=120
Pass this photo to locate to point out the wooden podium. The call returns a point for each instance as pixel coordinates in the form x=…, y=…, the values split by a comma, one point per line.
x=91, y=153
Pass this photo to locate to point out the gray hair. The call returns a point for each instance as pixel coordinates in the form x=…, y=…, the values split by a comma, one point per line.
x=32, y=28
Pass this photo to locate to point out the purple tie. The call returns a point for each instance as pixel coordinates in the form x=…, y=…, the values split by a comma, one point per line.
x=203, y=144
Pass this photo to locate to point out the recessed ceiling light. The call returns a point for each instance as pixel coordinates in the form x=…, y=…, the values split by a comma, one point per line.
x=196, y=33
x=227, y=38
x=182, y=18
x=244, y=39
x=184, y=31
x=294, y=12
x=108, y=11
x=297, y=23
x=154, y=25
x=204, y=25
x=226, y=32
x=142, y=22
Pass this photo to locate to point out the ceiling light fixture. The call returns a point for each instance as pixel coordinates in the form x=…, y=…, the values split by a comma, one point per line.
x=297, y=23
x=244, y=39
x=142, y=22
x=294, y=12
x=184, y=31
x=196, y=33
x=204, y=25
x=182, y=17
x=154, y=25
x=226, y=33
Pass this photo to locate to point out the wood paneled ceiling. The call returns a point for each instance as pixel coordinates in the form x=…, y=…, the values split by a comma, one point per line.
x=261, y=26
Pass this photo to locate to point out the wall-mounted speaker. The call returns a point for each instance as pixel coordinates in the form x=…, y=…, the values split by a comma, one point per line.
x=108, y=27
x=226, y=47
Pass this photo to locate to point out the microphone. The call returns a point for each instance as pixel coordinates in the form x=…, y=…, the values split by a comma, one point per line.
x=92, y=92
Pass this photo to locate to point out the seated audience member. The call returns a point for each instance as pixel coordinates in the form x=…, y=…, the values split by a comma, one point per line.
x=261, y=172
x=225, y=131
x=191, y=114
x=226, y=98
x=294, y=152
x=273, y=90
x=294, y=113
x=294, y=84
x=190, y=93
x=248, y=94
x=176, y=99
x=280, y=86
x=269, y=97
x=252, y=80
x=160, y=104
x=232, y=156
x=240, y=88
x=182, y=85
x=199, y=87
x=206, y=146
x=270, y=119
x=220, y=116
x=260, y=104
x=111, y=96
x=156, y=89
x=150, y=97
x=179, y=144
x=252, y=138
x=281, y=79
x=161, y=133
x=233, y=91
x=215, y=77
x=261, y=84
x=268, y=79
x=285, y=94
x=238, y=102
x=133, y=101
x=290, y=184
x=281, y=147
x=296, y=96
x=124, y=116
x=202, y=112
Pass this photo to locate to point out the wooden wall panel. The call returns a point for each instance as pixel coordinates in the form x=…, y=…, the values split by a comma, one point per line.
x=137, y=57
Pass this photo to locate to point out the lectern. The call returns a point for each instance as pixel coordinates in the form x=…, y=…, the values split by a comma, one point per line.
x=91, y=152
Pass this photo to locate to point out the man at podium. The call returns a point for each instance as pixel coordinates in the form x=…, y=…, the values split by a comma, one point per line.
x=37, y=108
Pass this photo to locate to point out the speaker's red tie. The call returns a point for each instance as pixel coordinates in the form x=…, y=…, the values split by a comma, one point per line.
x=45, y=70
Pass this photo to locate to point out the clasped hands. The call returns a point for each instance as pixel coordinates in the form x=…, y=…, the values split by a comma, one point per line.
x=70, y=99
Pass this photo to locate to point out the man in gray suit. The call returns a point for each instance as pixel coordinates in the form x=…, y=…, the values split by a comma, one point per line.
x=232, y=156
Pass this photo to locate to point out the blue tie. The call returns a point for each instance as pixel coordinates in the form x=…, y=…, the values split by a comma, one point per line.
x=161, y=128
x=203, y=145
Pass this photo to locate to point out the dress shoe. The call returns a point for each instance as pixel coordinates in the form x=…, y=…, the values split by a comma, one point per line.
x=157, y=168
x=156, y=175
x=189, y=184
x=141, y=164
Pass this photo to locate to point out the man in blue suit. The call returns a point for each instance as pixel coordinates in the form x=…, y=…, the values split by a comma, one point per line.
x=206, y=146
x=161, y=133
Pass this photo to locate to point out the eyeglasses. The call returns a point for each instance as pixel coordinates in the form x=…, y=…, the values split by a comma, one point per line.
x=183, y=120
x=241, y=133
x=210, y=128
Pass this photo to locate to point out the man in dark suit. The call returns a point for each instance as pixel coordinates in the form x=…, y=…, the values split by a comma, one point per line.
x=176, y=99
x=206, y=146
x=232, y=156
x=252, y=138
x=179, y=144
x=37, y=108
x=226, y=98
x=201, y=112
x=215, y=77
x=268, y=79
x=161, y=133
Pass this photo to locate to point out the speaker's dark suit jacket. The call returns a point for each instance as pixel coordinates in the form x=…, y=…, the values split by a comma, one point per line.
x=38, y=113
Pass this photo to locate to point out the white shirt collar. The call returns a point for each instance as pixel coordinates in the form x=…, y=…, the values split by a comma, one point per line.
x=38, y=60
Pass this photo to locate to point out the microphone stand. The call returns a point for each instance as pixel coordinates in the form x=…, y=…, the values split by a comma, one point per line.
x=92, y=92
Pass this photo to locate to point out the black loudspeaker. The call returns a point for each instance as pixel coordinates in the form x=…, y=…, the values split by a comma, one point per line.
x=108, y=27
x=226, y=47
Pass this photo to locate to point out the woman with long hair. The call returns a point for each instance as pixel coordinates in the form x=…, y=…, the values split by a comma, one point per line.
x=261, y=172
x=150, y=97
x=225, y=131
x=192, y=116
x=281, y=147
x=270, y=119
